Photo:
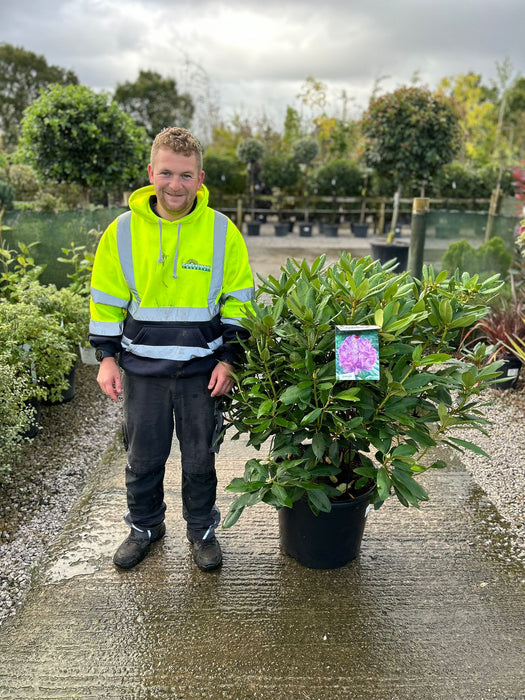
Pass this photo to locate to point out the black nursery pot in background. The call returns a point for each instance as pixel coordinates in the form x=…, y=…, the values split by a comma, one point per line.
x=510, y=372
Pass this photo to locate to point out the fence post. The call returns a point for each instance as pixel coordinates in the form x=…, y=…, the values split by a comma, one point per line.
x=381, y=223
x=493, y=210
x=420, y=207
x=239, y=213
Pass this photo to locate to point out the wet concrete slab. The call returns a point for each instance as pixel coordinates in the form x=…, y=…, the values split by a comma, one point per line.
x=430, y=609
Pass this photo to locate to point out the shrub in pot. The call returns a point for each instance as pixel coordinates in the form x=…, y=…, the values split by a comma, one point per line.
x=36, y=346
x=325, y=440
x=15, y=416
x=68, y=308
x=503, y=330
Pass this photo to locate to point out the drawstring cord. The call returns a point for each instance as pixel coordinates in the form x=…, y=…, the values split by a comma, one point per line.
x=175, y=276
x=161, y=254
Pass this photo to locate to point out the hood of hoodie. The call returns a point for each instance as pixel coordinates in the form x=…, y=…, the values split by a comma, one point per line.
x=139, y=203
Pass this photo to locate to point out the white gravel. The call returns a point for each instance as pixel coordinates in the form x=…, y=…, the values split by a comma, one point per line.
x=74, y=437
x=34, y=506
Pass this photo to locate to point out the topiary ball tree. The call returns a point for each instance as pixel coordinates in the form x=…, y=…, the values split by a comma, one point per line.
x=73, y=135
x=250, y=151
x=409, y=136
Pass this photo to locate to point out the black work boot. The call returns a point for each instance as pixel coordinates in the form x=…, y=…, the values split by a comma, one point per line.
x=206, y=553
x=136, y=545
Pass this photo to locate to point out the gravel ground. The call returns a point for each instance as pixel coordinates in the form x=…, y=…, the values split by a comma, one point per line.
x=34, y=505
x=74, y=436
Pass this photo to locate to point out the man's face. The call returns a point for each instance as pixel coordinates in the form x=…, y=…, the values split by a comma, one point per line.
x=176, y=179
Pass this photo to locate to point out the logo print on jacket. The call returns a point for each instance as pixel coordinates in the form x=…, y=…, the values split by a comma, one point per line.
x=194, y=265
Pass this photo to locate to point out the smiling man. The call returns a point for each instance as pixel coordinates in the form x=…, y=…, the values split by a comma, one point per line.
x=169, y=283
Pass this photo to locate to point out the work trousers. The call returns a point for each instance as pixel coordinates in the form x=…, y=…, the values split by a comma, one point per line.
x=153, y=407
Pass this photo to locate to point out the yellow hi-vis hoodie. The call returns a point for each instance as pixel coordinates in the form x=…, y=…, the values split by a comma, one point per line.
x=169, y=295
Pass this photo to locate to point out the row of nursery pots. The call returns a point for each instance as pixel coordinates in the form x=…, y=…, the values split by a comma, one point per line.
x=359, y=230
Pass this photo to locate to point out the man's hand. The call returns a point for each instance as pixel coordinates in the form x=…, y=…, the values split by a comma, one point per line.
x=109, y=378
x=221, y=381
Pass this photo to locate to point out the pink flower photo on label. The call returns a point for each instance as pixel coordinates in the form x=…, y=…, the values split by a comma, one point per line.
x=357, y=354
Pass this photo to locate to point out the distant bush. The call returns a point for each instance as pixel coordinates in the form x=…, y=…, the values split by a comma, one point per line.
x=489, y=259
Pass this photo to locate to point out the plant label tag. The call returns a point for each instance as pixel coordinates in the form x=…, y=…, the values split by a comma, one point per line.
x=357, y=353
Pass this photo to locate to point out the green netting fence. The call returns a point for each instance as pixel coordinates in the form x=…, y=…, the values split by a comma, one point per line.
x=472, y=226
x=54, y=231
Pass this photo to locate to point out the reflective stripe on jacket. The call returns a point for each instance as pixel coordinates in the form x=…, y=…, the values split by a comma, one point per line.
x=169, y=295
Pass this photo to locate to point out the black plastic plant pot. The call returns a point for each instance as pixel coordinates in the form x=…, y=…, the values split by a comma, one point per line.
x=253, y=228
x=330, y=230
x=510, y=372
x=305, y=230
x=359, y=230
x=328, y=540
x=383, y=251
x=282, y=229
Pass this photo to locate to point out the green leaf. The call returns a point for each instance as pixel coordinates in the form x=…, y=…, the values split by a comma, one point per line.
x=464, y=321
x=281, y=494
x=239, y=485
x=264, y=408
x=366, y=471
x=435, y=359
x=404, y=450
x=468, y=446
x=400, y=476
x=318, y=445
x=445, y=310
x=348, y=395
x=312, y=416
x=293, y=394
x=231, y=517
x=383, y=483
x=319, y=500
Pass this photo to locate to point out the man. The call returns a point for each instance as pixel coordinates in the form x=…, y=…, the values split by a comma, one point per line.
x=169, y=283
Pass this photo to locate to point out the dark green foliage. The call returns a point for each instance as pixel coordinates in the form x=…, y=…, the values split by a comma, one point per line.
x=250, y=150
x=22, y=75
x=154, y=102
x=305, y=150
x=223, y=173
x=71, y=134
x=341, y=177
x=489, y=259
x=410, y=134
x=320, y=435
x=7, y=195
x=280, y=171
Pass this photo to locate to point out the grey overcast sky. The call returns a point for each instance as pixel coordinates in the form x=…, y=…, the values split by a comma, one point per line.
x=256, y=54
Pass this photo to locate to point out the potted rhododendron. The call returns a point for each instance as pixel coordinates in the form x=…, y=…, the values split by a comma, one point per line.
x=351, y=377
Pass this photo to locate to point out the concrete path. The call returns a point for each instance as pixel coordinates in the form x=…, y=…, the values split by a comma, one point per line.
x=432, y=609
x=428, y=610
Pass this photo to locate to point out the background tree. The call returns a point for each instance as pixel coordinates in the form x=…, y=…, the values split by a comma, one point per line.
x=154, y=102
x=281, y=173
x=24, y=181
x=409, y=135
x=250, y=151
x=339, y=177
x=305, y=152
x=224, y=174
x=22, y=75
x=73, y=135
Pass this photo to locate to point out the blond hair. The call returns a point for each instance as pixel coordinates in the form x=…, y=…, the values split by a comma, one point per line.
x=178, y=140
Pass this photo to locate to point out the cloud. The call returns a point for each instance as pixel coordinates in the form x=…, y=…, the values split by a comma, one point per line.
x=255, y=55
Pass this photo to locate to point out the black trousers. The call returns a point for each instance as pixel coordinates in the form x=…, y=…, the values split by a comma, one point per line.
x=153, y=407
